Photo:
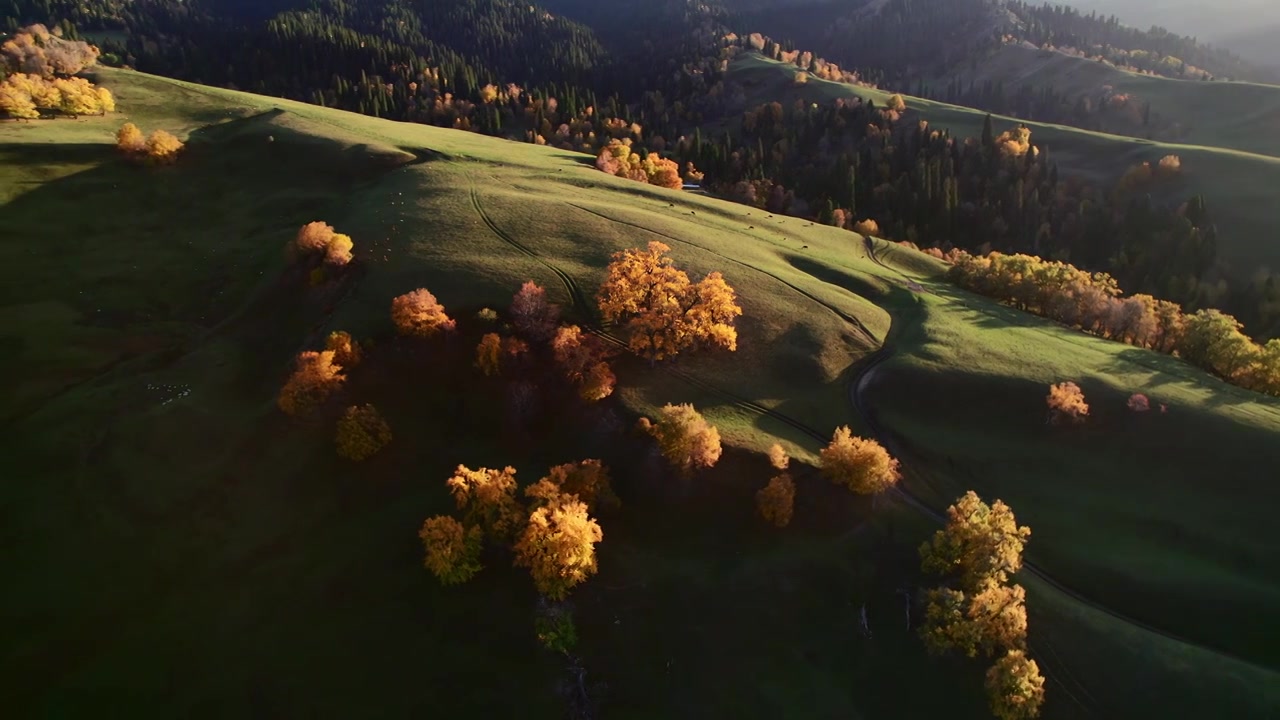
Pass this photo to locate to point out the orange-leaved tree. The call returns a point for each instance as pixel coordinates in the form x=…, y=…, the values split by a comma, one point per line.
x=532, y=315
x=861, y=464
x=582, y=359
x=1015, y=687
x=452, y=553
x=1066, y=401
x=488, y=499
x=346, y=352
x=988, y=621
x=419, y=314
x=361, y=432
x=317, y=375
x=684, y=437
x=664, y=313
x=558, y=542
x=314, y=237
x=338, y=252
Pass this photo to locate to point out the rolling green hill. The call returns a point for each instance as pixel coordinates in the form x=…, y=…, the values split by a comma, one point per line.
x=178, y=547
x=1234, y=115
x=1238, y=185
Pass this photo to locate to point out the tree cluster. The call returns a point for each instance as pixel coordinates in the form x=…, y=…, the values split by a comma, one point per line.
x=617, y=158
x=975, y=610
x=553, y=534
x=158, y=148
x=1093, y=302
x=776, y=501
x=662, y=311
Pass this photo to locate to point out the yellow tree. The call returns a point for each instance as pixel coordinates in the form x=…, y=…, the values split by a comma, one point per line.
x=17, y=103
x=980, y=543
x=317, y=375
x=78, y=96
x=1066, y=401
x=346, y=352
x=361, y=433
x=987, y=621
x=488, y=499
x=1015, y=687
x=338, y=252
x=587, y=480
x=861, y=464
x=163, y=147
x=489, y=354
x=130, y=139
x=452, y=553
x=558, y=544
x=419, y=314
x=663, y=312
x=106, y=100
x=684, y=438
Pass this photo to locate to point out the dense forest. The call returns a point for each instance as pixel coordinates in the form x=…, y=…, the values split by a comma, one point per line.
x=583, y=79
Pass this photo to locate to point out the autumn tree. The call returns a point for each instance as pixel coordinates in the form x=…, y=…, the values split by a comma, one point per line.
x=587, y=480
x=776, y=501
x=992, y=619
x=37, y=51
x=488, y=499
x=338, y=252
x=312, y=238
x=861, y=464
x=419, y=314
x=558, y=544
x=346, y=352
x=1015, y=687
x=163, y=148
x=17, y=103
x=489, y=354
x=316, y=377
x=1138, y=403
x=452, y=551
x=362, y=433
x=684, y=438
x=130, y=139
x=532, y=315
x=582, y=358
x=1066, y=401
x=663, y=312
x=981, y=543
x=867, y=227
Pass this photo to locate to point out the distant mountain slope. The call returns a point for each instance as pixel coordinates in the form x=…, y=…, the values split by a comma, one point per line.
x=1236, y=115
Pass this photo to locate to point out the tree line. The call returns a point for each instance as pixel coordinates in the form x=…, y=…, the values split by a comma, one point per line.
x=1094, y=303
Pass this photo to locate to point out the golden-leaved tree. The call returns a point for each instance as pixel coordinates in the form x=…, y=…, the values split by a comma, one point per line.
x=987, y=621
x=452, y=552
x=361, y=432
x=316, y=377
x=1066, y=402
x=558, y=542
x=861, y=464
x=663, y=312
x=314, y=237
x=776, y=501
x=163, y=148
x=419, y=314
x=979, y=543
x=487, y=498
x=130, y=139
x=684, y=438
x=489, y=354
x=1015, y=687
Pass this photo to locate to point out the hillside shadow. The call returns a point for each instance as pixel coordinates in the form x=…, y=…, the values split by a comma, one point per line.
x=32, y=154
x=835, y=276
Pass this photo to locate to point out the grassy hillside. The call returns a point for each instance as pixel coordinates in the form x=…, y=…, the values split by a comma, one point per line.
x=1237, y=185
x=1234, y=115
x=180, y=548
